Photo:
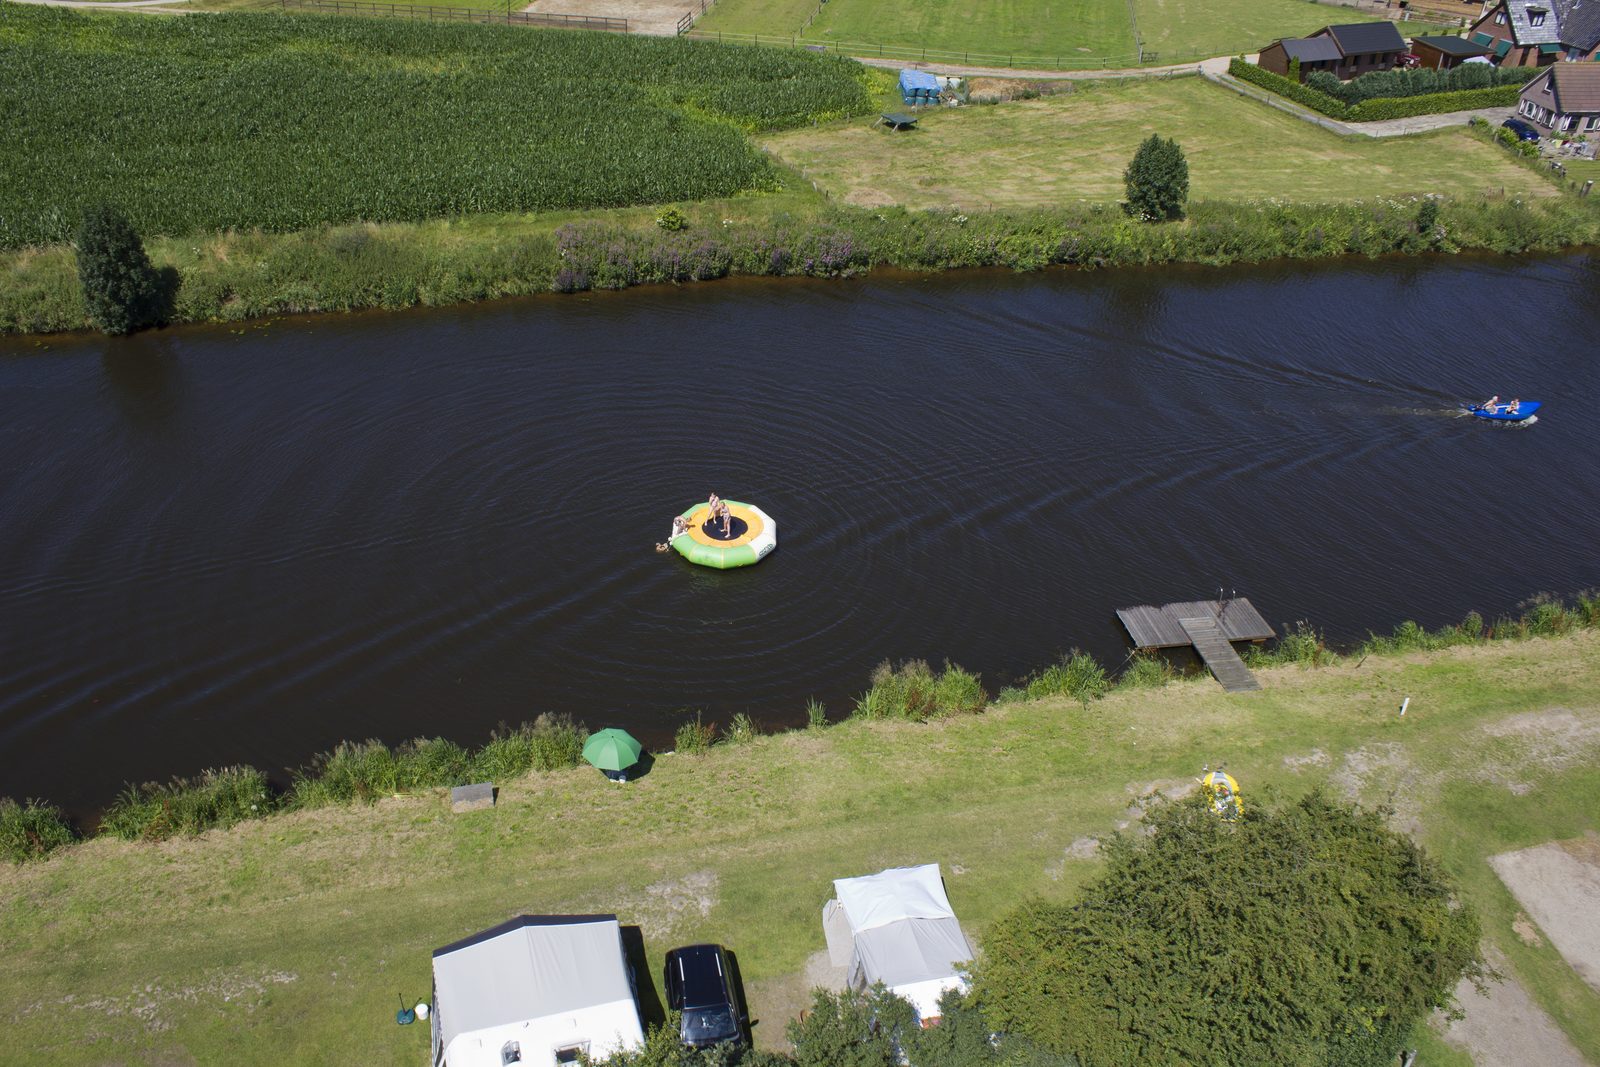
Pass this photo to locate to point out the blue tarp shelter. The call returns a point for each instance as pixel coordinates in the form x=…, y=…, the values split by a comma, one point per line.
x=918, y=87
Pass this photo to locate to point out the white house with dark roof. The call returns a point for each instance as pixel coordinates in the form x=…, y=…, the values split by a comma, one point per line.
x=1565, y=99
x=1346, y=51
x=1536, y=33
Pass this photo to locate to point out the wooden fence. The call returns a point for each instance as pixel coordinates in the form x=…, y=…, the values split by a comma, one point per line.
x=461, y=14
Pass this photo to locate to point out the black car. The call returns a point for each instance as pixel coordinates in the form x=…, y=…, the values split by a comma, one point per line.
x=1523, y=131
x=700, y=985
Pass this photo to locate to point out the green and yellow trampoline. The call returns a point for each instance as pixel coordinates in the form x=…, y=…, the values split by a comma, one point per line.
x=751, y=535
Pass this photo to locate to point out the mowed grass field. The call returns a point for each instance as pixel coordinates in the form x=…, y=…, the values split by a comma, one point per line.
x=290, y=940
x=1044, y=34
x=1076, y=145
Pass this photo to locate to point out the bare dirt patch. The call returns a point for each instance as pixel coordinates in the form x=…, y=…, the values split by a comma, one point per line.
x=663, y=906
x=1315, y=758
x=1559, y=888
x=656, y=17
x=1550, y=740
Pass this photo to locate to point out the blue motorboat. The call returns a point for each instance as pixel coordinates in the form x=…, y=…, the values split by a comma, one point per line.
x=1504, y=412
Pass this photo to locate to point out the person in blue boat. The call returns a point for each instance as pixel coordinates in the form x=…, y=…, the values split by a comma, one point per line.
x=1515, y=407
x=1489, y=407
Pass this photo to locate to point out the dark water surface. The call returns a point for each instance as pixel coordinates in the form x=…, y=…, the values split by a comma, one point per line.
x=243, y=547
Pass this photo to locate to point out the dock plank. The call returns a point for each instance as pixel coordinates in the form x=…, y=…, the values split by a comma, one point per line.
x=1157, y=627
x=1226, y=666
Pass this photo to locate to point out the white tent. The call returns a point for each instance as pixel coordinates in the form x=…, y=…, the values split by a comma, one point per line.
x=902, y=932
x=537, y=990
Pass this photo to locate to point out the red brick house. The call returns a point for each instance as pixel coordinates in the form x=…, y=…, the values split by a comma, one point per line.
x=1565, y=99
x=1346, y=51
x=1536, y=33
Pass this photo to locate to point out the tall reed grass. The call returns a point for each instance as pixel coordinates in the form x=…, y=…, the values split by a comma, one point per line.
x=217, y=798
x=31, y=831
x=913, y=691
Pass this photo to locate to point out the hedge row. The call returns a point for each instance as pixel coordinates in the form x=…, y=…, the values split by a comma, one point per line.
x=1404, y=107
x=1380, y=108
x=1288, y=87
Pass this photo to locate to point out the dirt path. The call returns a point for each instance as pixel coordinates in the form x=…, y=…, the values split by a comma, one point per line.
x=1558, y=885
x=1505, y=1026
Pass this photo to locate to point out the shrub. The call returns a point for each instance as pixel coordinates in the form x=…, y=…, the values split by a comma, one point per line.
x=672, y=220
x=695, y=736
x=1145, y=672
x=1308, y=933
x=816, y=714
x=121, y=290
x=851, y=1029
x=1157, y=181
x=32, y=830
x=1301, y=644
x=1078, y=675
x=549, y=743
x=217, y=798
x=742, y=729
x=913, y=691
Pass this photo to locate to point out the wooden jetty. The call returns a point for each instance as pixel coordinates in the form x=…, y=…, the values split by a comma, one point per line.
x=1210, y=626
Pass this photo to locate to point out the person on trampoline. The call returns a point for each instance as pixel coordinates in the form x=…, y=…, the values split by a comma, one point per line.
x=680, y=526
x=725, y=515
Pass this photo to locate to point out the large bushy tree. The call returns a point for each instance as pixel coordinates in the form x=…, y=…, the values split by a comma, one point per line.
x=1157, y=180
x=121, y=290
x=1302, y=934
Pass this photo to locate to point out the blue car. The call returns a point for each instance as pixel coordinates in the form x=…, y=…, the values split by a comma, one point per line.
x=1523, y=131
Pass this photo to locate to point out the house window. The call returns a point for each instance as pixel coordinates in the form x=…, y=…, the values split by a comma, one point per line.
x=1568, y=121
x=1593, y=123
x=1536, y=18
x=573, y=1053
x=1499, y=18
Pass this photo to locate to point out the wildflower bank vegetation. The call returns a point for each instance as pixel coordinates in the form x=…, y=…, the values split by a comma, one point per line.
x=236, y=121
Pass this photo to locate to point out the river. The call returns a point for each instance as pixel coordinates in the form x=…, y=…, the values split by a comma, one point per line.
x=244, y=544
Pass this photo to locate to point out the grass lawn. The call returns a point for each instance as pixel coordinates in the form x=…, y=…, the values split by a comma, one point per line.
x=1222, y=27
x=288, y=940
x=1075, y=146
x=1049, y=34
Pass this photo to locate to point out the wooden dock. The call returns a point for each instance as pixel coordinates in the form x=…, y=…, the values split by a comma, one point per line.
x=1210, y=626
x=1226, y=666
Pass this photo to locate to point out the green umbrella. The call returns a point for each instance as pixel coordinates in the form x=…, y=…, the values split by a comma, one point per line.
x=611, y=749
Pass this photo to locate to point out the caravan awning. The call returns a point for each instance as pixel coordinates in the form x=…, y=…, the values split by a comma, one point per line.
x=893, y=895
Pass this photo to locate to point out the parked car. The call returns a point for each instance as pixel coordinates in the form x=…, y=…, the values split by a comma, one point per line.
x=700, y=984
x=1523, y=131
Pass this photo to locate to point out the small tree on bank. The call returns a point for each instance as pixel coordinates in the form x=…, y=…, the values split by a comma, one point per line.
x=1157, y=180
x=121, y=290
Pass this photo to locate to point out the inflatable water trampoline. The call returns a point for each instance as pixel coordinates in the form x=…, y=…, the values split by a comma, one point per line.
x=751, y=535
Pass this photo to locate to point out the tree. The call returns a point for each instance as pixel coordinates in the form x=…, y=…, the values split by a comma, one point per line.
x=851, y=1029
x=1157, y=180
x=121, y=291
x=1304, y=934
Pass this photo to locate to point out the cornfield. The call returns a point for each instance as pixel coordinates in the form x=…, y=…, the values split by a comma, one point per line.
x=275, y=122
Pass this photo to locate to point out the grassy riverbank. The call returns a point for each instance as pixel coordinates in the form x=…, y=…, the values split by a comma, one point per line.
x=239, y=276
x=287, y=939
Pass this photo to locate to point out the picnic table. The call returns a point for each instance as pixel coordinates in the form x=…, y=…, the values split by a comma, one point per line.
x=898, y=120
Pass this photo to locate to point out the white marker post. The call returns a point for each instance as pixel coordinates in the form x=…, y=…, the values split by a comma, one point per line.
x=1403, y=705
